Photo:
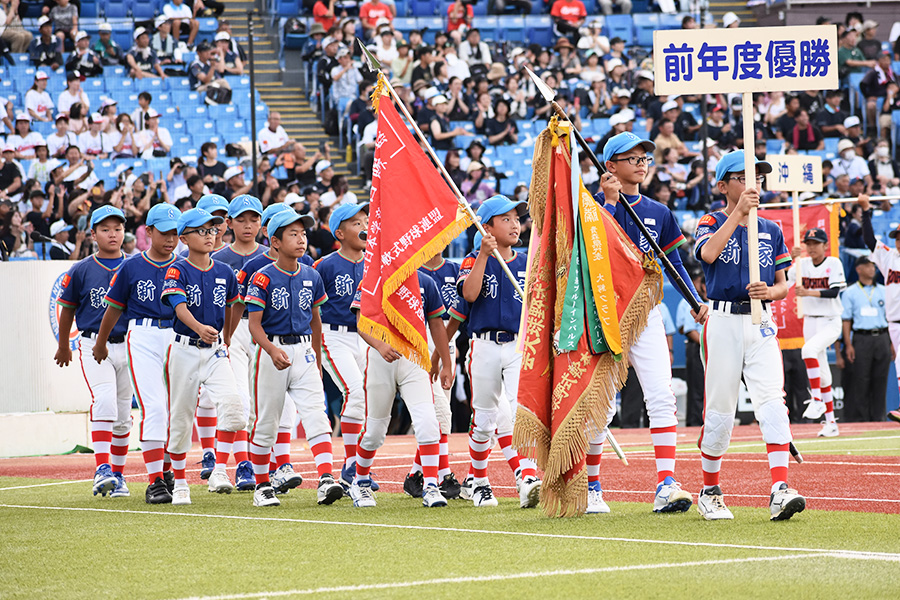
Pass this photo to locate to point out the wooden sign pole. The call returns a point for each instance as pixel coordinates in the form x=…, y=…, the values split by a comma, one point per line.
x=752, y=222
x=795, y=206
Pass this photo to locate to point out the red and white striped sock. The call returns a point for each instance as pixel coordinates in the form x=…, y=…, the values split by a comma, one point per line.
x=350, y=429
x=224, y=445
x=664, y=439
x=101, y=440
x=711, y=466
x=119, y=452
x=812, y=373
x=167, y=461
x=594, y=454
x=364, y=460
x=241, y=444
x=509, y=453
x=417, y=464
x=444, y=462
x=320, y=446
x=259, y=456
x=430, y=455
x=153, y=458
x=281, y=453
x=778, y=463
x=479, y=452
x=206, y=428
x=179, y=462
x=828, y=399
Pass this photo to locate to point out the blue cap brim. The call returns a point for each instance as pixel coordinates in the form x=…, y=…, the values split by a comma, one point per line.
x=242, y=210
x=520, y=206
x=102, y=218
x=335, y=221
x=165, y=226
x=647, y=145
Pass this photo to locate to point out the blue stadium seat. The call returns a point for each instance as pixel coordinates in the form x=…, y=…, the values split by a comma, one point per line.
x=405, y=25
x=490, y=28
x=667, y=21
x=432, y=25
x=591, y=6
x=513, y=28
x=287, y=8
x=143, y=10
x=115, y=9
x=644, y=25
x=89, y=9
x=422, y=8
x=539, y=30
x=621, y=26
x=402, y=7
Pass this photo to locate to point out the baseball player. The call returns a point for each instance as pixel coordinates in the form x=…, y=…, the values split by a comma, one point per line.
x=627, y=160
x=283, y=299
x=342, y=348
x=84, y=288
x=494, y=312
x=732, y=346
x=388, y=372
x=136, y=291
x=820, y=287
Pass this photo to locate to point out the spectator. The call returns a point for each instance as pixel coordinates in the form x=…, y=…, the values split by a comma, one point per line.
x=475, y=53
x=891, y=103
x=201, y=74
x=72, y=94
x=323, y=14
x=83, y=59
x=456, y=67
x=850, y=164
x=62, y=248
x=784, y=125
x=607, y=6
x=831, y=118
x=42, y=166
x=730, y=21
x=65, y=22
x=273, y=139
x=451, y=164
x=10, y=174
x=330, y=47
x=864, y=146
x=236, y=47
x=484, y=111
x=514, y=95
x=869, y=44
x=312, y=50
x=109, y=110
x=442, y=135
x=41, y=212
x=338, y=194
x=193, y=190
x=177, y=175
x=182, y=19
x=884, y=169
x=107, y=48
x=304, y=165
x=402, y=66
x=163, y=43
x=11, y=30
x=38, y=102
x=93, y=143
x=346, y=79
x=874, y=84
x=672, y=172
x=139, y=116
x=384, y=46
x=599, y=100
x=122, y=139
x=594, y=39
x=324, y=175
x=235, y=184
x=568, y=16
x=141, y=59
x=44, y=50
x=667, y=139
x=374, y=12
x=229, y=60
x=501, y=130
x=210, y=168
x=422, y=71
x=566, y=60
x=851, y=58
x=475, y=152
x=459, y=18
x=60, y=140
x=153, y=141
x=813, y=101
x=474, y=188
x=23, y=141
x=804, y=135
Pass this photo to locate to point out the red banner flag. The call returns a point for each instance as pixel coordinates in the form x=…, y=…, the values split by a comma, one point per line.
x=413, y=215
x=823, y=216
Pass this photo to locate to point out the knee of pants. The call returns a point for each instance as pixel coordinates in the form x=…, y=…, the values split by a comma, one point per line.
x=484, y=423
x=376, y=431
x=661, y=411
x=205, y=401
x=288, y=415
x=263, y=433
x=773, y=422
x=717, y=429
x=230, y=413
x=355, y=405
x=123, y=427
x=442, y=410
x=315, y=422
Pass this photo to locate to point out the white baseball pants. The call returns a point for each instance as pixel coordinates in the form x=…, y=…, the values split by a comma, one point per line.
x=344, y=358
x=109, y=383
x=649, y=355
x=147, y=346
x=442, y=396
x=818, y=334
x=894, y=331
x=494, y=375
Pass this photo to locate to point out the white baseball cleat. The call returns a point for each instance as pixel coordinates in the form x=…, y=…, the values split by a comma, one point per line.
x=219, y=482
x=264, y=495
x=785, y=503
x=529, y=492
x=483, y=495
x=432, y=497
x=829, y=430
x=711, y=505
x=361, y=494
x=285, y=478
x=814, y=409
x=328, y=491
x=671, y=498
x=596, y=504
x=181, y=496
x=467, y=489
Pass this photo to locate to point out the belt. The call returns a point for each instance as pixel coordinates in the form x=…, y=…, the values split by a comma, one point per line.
x=881, y=331
x=289, y=340
x=196, y=342
x=340, y=328
x=735, y=308
x=501, y=337
x=159, y=323
x=245, y=316
x=113, y=339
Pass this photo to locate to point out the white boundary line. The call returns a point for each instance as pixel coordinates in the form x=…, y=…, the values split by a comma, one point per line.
x=862, y=554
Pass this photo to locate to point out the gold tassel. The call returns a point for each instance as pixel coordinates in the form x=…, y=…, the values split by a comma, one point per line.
x=379, y=91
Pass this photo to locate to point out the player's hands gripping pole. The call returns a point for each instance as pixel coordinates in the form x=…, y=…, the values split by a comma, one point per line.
x=752, y=222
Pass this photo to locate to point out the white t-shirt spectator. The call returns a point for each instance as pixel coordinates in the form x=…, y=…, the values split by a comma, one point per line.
x=25, y=146
x=854, y=168
x=39, y=102
x=67, y=99
x=94, y=145
x=269, y=140
x=56, y=142
x=127, y=149
x=40, y=171
x=87, y=183
x=145, y=137
x=138, y=117
x=329, y=198
x=177, y=12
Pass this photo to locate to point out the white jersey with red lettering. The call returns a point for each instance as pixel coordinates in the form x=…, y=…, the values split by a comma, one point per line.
x=887, y=260
x=826, y=275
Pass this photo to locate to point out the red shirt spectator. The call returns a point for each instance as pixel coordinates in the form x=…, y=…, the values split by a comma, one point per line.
x=459, y=14
x=324, y=14
x=569, y=10
x=371, y=11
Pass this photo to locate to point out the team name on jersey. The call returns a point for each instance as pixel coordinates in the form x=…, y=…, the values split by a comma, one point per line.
x=815, y=283
x=893, y=277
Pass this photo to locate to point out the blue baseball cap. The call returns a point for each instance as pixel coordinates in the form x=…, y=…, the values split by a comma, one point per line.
x=272, y=210
x=624, y=142
x=195, y=218
x=213, y=202
x=344, y=212
x=164, y=217
x=497, y=205
x=243, y=203
x=105, y=212
x=286, y=217
x=733, y=162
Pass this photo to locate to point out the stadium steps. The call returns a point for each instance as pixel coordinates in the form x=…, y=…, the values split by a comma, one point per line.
x=265, y=52
x=720, y=7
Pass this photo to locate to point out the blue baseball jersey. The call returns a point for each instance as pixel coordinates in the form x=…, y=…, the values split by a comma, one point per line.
x=498, y=306
x=206, y=292
x=84, y=289
x=432, y=305
x=137, y=288
x=341, y=277
x=285, y=299
x=235, y=259
x=256, y=263
x=445, y=276
x=728, y=276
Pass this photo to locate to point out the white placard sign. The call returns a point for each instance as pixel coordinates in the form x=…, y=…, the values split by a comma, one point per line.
x=745, y=59
x=794, y=173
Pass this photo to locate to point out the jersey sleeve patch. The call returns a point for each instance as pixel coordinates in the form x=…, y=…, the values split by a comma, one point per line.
x=241, y=276
x=261, y=280
x=66, y=280
x=173, y=273
x=707, y=220
x=468, y=263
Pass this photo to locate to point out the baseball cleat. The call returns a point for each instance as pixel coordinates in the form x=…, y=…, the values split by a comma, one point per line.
x=264, y=495
x=169, y=479
x=814, y=409
x=596, y=504
x=711, y=505
x=347, y=475
x=828, y=430
x=104, y=480
x=361, y=493
x=219, y=482
x=158, y=493
x=467, y=489
x=785, y=503
x=450, y=487
x=329, y=491
x=670, y=497
x=207, y=464
x=285, y=478
x=518, y=475
x=375, y=486
x=529, y=492
x=121, y=490
x=483, y=495
x=181, y=496
x=431, y=497
x=894, y=415
x=414, y=484
x=243, y=477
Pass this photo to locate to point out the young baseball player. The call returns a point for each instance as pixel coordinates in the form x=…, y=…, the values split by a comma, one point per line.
x=733, y=346
x=627, y=160
x=342, y=348
x=820, y=287
x=199, y=290
x=135, y=291
x=494, y=312
x=283, y=299
x=84, y=287
x=388, y=372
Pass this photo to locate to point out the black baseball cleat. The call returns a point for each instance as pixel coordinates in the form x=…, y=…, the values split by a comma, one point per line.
x=158, y=493
x=450, y=487
x=169, y=478
x=414, y=484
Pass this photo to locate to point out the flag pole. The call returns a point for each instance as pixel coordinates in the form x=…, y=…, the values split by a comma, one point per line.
x=795, y=215
x=374, y=65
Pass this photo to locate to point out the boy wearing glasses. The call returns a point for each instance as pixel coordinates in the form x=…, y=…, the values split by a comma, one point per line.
x=199, y=290
x=732, y=346
x=627, y=159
